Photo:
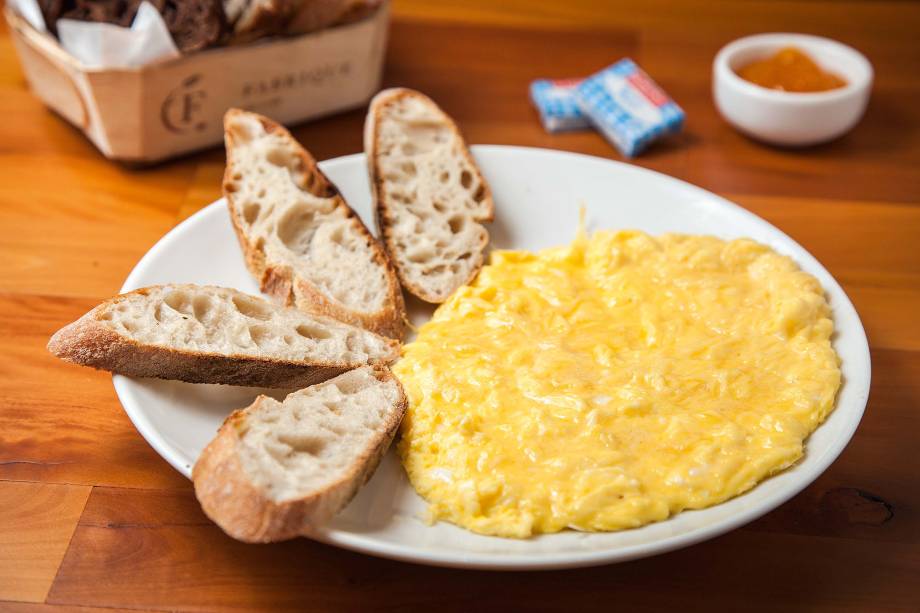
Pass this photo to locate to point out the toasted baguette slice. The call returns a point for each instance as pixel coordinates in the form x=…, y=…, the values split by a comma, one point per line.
x=205, y=334
x=277, y=470
x=429, y=196
x=303, y=243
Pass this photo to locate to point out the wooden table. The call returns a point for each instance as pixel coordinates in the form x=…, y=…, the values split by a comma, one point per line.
x=90, y=516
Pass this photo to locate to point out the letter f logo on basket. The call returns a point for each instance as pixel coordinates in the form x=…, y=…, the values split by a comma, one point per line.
x=182, y=105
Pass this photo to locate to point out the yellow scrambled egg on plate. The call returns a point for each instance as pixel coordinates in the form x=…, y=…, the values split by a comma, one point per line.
x=614, y=382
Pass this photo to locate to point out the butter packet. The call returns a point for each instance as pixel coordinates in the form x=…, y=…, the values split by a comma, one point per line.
x=555, y=101
x=627, y=107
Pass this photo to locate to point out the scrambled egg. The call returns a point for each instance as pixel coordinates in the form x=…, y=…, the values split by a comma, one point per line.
x=614, y=382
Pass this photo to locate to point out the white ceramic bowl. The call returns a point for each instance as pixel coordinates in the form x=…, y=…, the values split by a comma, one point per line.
x=788, y=118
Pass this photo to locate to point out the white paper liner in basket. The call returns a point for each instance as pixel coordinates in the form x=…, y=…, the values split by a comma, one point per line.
x=104, y=45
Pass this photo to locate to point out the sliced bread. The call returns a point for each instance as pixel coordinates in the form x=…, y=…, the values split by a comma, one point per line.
x=250, y=19
x=301, y=240
x=429, y=196
x=277, y=470
x=205, y=334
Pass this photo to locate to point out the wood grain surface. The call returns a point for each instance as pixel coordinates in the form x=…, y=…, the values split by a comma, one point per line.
x=91, y=519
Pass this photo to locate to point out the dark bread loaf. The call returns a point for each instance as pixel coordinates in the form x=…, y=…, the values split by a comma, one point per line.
x=117, y=12
x=193, y=24
x=52, y=10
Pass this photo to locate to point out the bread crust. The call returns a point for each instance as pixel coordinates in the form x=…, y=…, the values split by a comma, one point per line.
x=313, y=15
x=89, y=342
x=262, y=18
x=279, y=280
x=382, y=209
x=242, y=510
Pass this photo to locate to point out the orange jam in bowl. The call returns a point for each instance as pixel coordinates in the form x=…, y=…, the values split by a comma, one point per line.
x=790, y=70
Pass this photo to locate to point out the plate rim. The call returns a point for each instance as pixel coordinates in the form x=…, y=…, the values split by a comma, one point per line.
x=551, y=560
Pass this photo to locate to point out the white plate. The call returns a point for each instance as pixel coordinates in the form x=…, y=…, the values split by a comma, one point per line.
x=538, y=194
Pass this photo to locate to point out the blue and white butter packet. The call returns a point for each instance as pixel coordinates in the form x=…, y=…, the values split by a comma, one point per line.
x=627, y=107
x=555, y=101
